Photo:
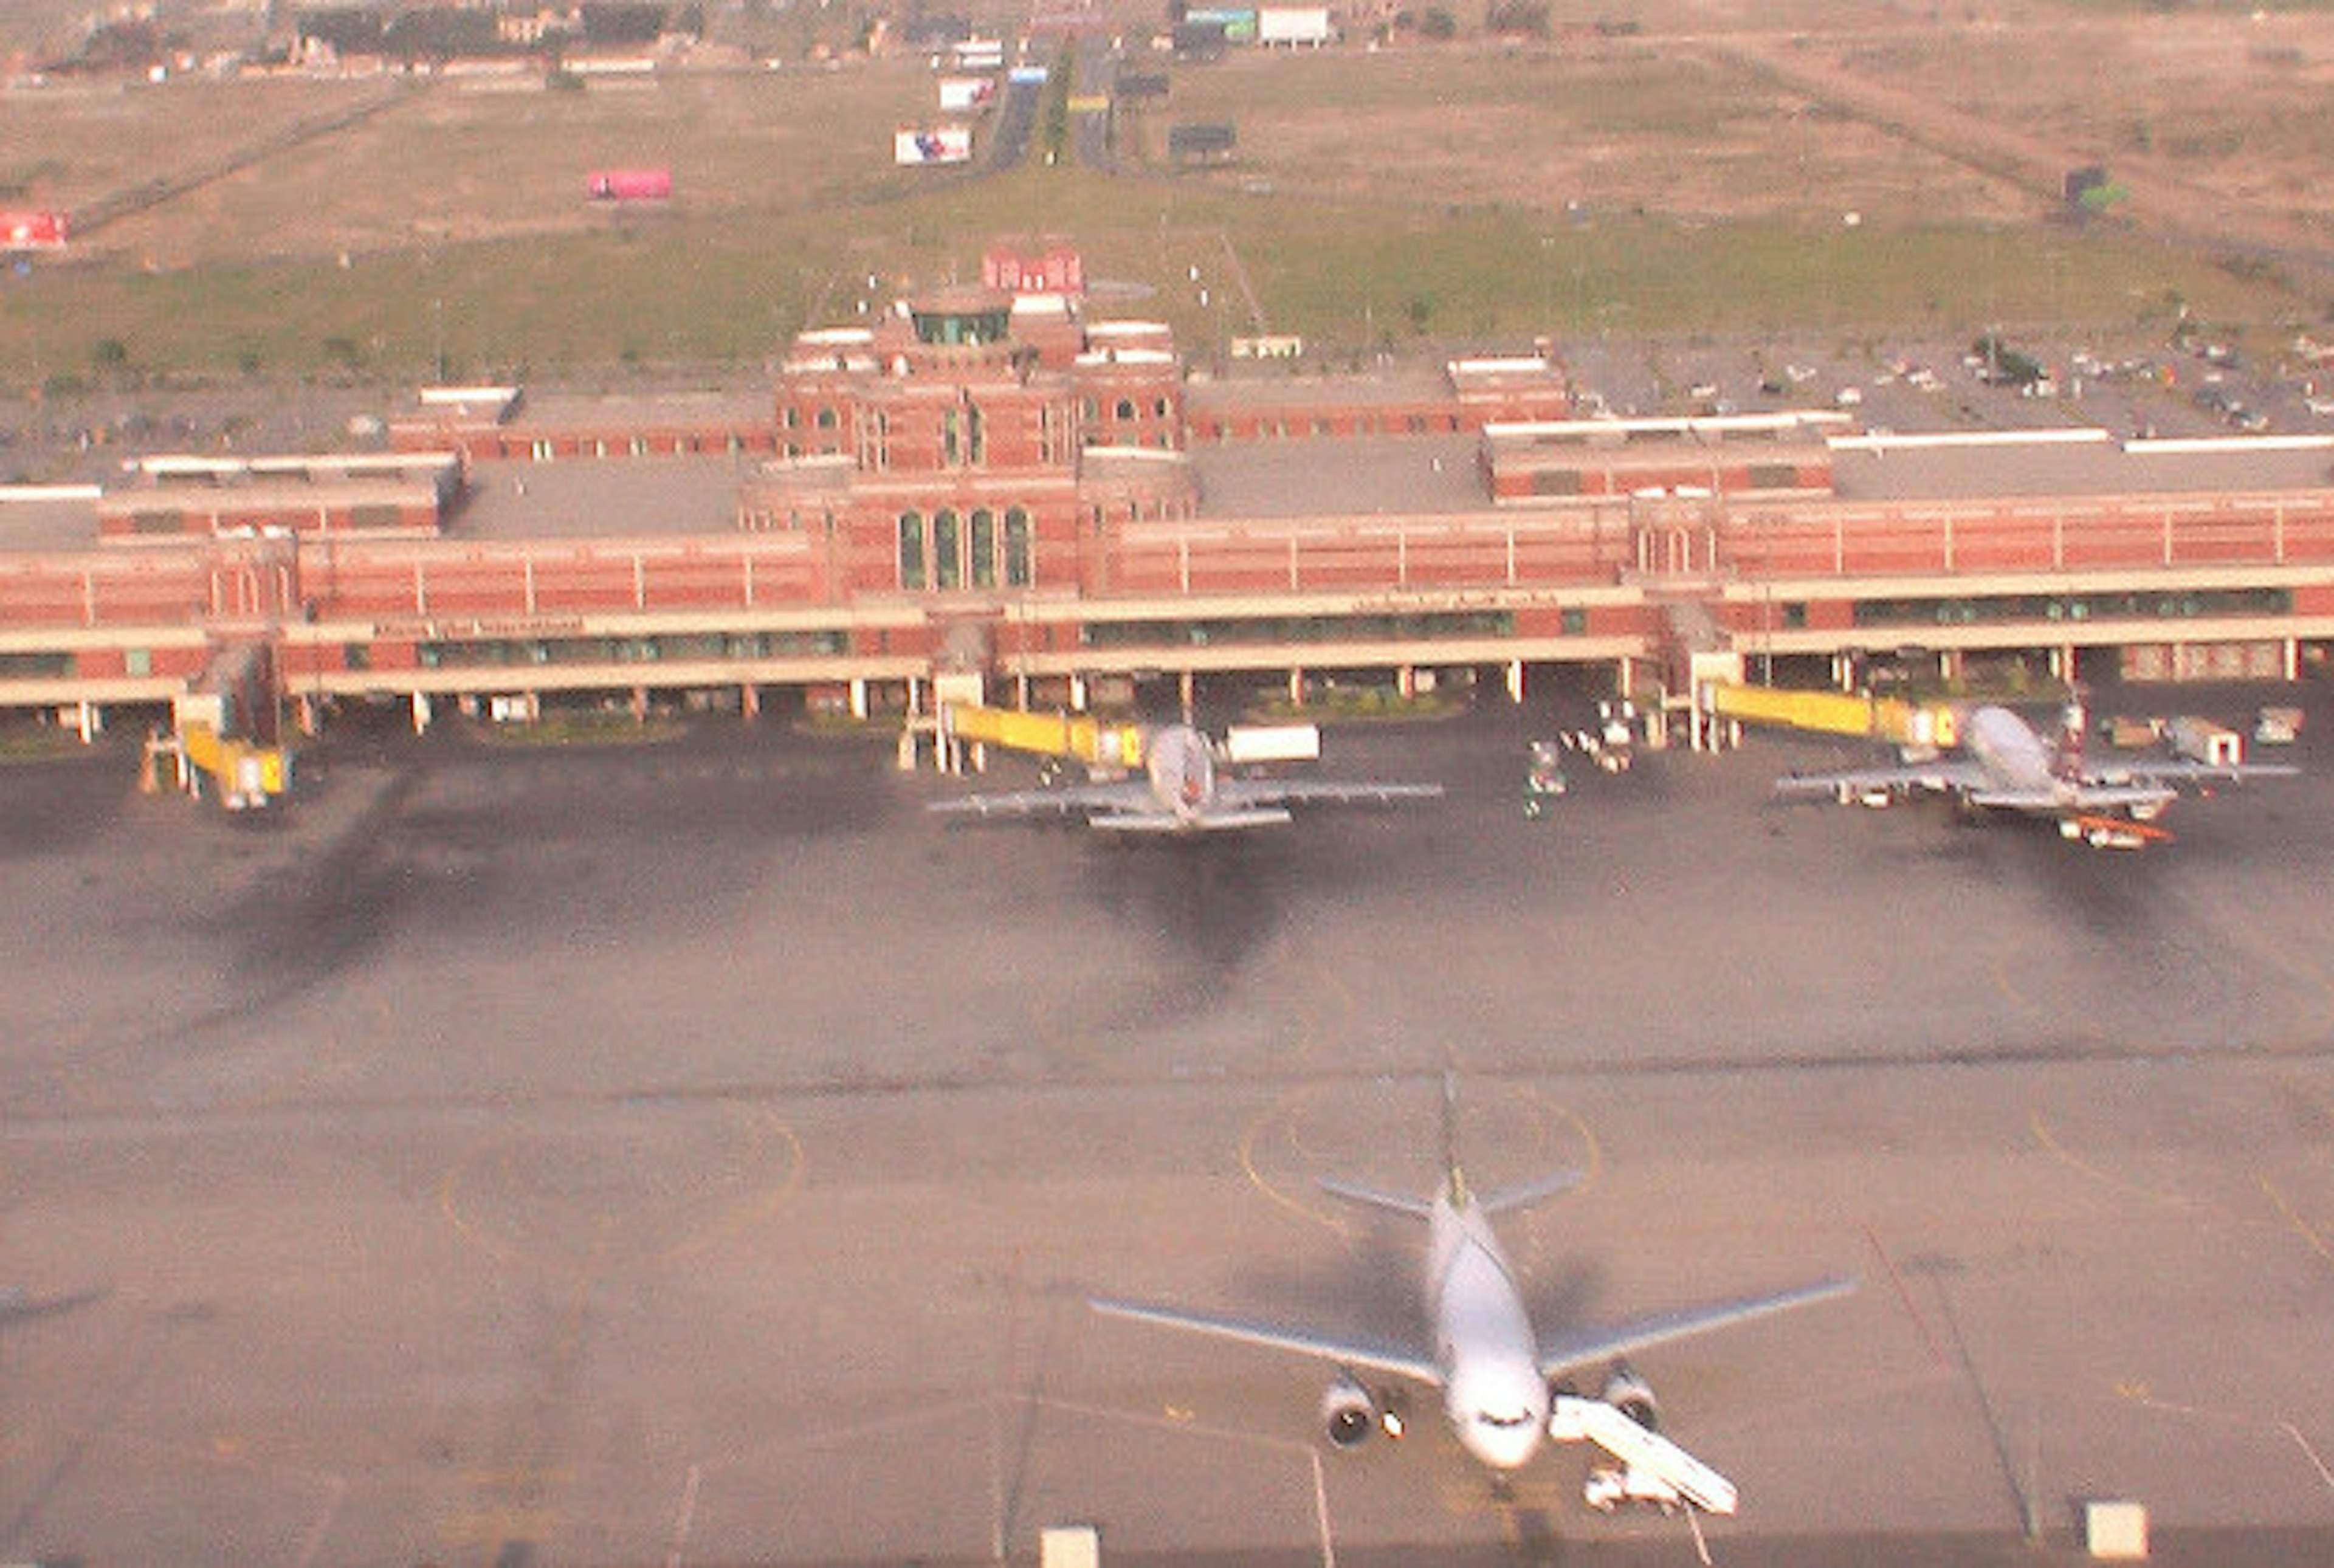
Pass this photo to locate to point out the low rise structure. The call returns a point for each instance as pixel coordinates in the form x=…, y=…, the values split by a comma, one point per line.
x=990, y=489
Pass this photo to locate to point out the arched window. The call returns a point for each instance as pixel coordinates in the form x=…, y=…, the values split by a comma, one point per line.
x=912, y=549
x=1125, y=409
x=948, y=550
x=1017, y=548
x=983, y=542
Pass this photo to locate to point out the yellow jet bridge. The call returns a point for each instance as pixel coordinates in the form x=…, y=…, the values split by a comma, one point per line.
x=1887, y=718
x=242, y=773
x=1097, y=743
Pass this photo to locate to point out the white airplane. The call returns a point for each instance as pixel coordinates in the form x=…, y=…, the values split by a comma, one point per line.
x=1181, y=790
x=2005, y=764
x=1494, y=1373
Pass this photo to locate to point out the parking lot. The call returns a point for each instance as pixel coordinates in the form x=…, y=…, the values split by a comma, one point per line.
x=2136, y=387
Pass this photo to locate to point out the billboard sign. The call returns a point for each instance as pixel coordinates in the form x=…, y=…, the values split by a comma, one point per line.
x=962, y=93
x=21, y=230
x=947, y=144
x=631, y=184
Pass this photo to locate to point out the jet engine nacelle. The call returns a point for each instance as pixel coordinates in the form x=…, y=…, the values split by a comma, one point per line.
x=1348, y=1414
x=1631, y=1395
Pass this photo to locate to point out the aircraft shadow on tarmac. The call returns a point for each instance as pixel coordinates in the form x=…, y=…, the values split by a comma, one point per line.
x=1215, y=901
x=17, y=1308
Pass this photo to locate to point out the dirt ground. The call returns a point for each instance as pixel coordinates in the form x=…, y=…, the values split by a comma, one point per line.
x=2218, y=122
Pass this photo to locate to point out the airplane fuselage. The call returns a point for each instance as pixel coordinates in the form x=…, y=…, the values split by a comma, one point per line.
x=2013, y=756
x=1494, y=1394
x=2026, y=773
x=1180, y=767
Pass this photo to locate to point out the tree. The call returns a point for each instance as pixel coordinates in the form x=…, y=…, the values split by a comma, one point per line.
x=1519, y=18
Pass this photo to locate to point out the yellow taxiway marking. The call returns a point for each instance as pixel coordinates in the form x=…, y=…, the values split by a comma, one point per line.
x=2138, y=1394
x=2289, y=1218
x=755, y=1207
x=763, y=1131
x=2050, y=1143
x=2301, y=1226
x=2006, y=985
x=1258, y=1179
x=496, y=1526
x=1465, y=1496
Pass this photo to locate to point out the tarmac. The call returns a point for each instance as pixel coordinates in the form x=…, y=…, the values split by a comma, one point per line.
x=689, y=1151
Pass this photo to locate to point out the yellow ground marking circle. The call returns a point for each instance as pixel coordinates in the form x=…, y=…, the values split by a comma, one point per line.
x=1288, y=1117
x=2288, y=1218
x=2055, y=1147
x=1466, y=1496
x=651, y=1210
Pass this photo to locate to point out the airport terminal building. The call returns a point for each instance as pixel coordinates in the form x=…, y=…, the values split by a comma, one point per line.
x=985, y=492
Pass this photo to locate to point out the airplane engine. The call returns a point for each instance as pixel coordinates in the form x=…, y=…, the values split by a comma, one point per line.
x=1348, y=1414
x=1631, y=1395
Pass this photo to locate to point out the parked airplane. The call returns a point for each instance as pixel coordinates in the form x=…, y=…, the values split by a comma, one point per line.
x=1181, y=790
x=2006, y=765
x=1493, y=1371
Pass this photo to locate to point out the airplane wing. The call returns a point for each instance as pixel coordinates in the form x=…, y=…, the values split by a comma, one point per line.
x=1580, y=1346
x=1241, y=793
x=2136, y=785
x=1378, y=1356
x=1215, y=819
x=1109, y=797
x=2089, y=797
x=2166, y=773
x=1942, y=773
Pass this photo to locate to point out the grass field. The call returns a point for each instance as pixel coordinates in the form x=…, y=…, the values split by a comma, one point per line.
x=1639, y=185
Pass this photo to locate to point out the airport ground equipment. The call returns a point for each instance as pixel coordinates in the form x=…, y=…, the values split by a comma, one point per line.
x=1653, y=1468
x=2103, y=830
x=2201, y=740
x=244, y=774
x=220, y=731
x=1889, y=718
x=1251, y=745
x=1097, y=743
x=1545, y=779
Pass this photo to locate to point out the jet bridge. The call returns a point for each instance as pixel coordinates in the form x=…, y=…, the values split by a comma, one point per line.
x=1095, y=742
x=212, y=733
x=1889, y=718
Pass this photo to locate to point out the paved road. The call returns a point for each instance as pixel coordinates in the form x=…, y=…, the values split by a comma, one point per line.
x=692, y=1153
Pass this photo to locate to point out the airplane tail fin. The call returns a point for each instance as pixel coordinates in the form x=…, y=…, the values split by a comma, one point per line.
x=1413, y=1208
x=1520, y=1195
x=1452, y=1174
